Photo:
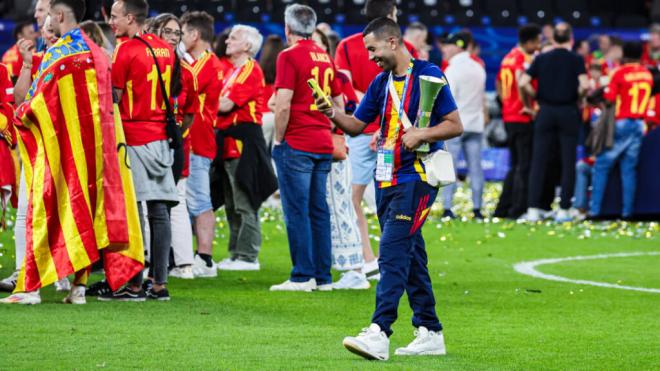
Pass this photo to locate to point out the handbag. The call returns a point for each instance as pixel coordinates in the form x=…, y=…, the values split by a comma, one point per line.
x=496, y=135
x=339, y=148
x=439, y=164
x=174, y=135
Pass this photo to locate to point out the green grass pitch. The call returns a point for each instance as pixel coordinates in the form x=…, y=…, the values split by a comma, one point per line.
x=494, y=317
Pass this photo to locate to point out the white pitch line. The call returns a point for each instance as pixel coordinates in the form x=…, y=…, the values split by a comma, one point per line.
x=529, y=269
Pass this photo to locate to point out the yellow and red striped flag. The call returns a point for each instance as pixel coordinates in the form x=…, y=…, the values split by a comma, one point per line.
x=77, y=196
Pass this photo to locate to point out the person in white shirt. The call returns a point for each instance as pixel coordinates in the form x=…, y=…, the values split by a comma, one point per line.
x=467, y=79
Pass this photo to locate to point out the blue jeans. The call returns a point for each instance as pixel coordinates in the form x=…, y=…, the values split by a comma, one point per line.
x=582, y=179
x=470, y=144
x=402, y=211
x=627, y=143
x=302, y=178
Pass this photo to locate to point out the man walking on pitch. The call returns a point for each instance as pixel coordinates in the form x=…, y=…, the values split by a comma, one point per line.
x=403, y=195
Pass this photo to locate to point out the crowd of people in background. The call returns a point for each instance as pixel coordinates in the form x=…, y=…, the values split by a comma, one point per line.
x=250, y=126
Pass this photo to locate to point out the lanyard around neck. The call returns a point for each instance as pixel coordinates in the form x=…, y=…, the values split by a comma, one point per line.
x=403, y=93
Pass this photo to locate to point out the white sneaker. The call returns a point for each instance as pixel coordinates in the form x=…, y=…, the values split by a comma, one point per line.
x=9, y=284
x=371, y=343
x=239, y=265
x=426, y=343
x=223, y=263
x=324, y=287
x=533, y=215
x=352, y=280
x=563, y=216
x=26, y=298
x=577, y=215
x=76, y=295
x=295, y=286
x=200, y=269
x=63, y=285
x=371, y=270
x=185, y=273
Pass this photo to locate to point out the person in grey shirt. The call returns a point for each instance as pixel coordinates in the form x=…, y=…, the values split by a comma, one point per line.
x=467, y=79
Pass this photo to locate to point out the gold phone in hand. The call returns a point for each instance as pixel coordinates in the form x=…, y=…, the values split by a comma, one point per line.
x=319, y=92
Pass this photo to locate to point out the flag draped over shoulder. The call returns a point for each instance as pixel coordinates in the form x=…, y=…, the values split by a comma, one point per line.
x=80, y=195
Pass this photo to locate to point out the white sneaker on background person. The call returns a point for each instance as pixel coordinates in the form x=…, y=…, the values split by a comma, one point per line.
x=577, y=214
x=9, y=283
x=76, y=295
x=238, y=265
x=533, y=215
x=200, y=269
x=25, y=298
x=426, y=343
x=352, y=280
x=287, y=285
x=63, y=285
x=324, y=287
x=563, y=216
x=371, y=343
x=222, y=263
x=185, y=272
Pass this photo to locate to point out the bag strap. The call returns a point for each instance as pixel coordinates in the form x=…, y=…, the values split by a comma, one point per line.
x=396, y=103
x=163, y=91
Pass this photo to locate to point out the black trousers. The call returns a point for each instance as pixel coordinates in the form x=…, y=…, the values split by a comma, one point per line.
x=160, y=238
x=513, y=200
x=556, y=131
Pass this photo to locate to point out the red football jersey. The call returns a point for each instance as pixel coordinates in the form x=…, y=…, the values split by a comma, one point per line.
x=13, y=60
x=630, y=87
x=208, y=72
x=515, y=60
x=142, y=106
x=352, y=56
x=308, y=129
x=244, y=86
x=6, y=86
x=184, y=104
x=7, y=170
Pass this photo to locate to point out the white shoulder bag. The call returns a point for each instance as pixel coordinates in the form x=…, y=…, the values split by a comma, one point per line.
x=439, y=165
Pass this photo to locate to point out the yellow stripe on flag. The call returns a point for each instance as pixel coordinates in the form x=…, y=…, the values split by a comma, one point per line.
x=67, y=95
x=40, y=245
x=100, y=226
x=73, y=242
x=135, y=249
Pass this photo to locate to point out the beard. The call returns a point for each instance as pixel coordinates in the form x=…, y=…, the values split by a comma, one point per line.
x=384, y=63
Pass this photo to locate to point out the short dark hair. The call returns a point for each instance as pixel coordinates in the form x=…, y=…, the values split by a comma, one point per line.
x=616, y=41
x=77, y=7
x=378, y=8
x=20, y=26
x=139, y=9
x=200, y=21
x=419, y=26
x=633, y=50
x=562, y=36
x=383, y=28
x=528, y=32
